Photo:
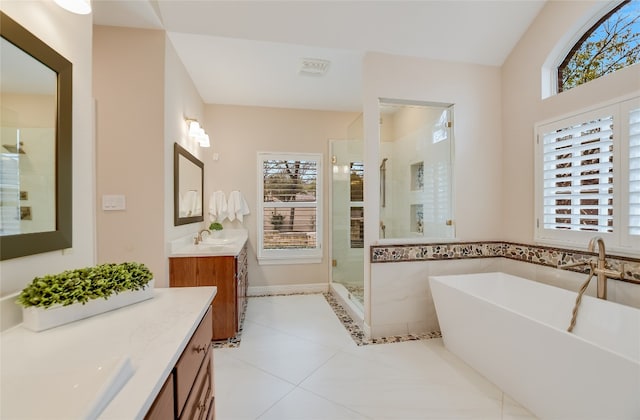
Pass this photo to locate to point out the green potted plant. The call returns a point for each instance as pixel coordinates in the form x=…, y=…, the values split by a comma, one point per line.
x=57, y=299
x=216, y=229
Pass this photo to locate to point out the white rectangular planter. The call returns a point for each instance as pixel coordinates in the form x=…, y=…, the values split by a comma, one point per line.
x=40, y=319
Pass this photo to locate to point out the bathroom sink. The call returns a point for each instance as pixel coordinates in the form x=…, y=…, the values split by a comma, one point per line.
x=216, y=241
x=230, y=243
x=202, y=249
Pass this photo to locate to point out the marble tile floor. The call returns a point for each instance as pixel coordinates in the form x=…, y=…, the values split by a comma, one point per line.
x=297, y=361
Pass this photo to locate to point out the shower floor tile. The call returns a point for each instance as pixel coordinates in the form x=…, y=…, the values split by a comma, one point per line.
x=297, y=361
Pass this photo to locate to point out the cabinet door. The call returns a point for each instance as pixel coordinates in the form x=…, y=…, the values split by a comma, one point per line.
x=183, y=272
x=190, y=362
x=220, y=272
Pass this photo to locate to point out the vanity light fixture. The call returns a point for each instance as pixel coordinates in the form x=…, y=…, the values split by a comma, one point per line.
x=197, y=133
x=194, y=128
x=80, y=7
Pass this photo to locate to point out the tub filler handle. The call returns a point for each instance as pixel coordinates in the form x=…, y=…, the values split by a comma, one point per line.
x=576, y=264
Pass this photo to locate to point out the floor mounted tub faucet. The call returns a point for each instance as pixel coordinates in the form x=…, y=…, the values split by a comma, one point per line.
x=601, y=269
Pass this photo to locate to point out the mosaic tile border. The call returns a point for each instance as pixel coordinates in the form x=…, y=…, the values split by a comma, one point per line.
x=348, y=323
x=534, y=254
x=358, y=335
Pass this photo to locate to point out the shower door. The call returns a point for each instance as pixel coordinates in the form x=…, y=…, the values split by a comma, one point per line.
x=347, y=211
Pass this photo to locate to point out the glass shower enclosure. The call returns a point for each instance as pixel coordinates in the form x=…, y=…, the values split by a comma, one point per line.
x=416, y=182
x=347, y=217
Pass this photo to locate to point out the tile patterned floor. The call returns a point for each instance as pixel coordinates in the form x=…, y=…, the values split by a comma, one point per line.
x=352, y=328
x=297, y=361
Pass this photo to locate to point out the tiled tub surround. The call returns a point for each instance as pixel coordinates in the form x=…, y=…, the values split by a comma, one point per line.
x=401, y=301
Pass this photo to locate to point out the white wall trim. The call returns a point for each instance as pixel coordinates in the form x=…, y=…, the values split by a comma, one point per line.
x=287, y=289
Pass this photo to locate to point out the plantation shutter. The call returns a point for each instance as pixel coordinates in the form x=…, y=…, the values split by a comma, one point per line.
x=290, y=204
x=634, y=172
x=578, y=177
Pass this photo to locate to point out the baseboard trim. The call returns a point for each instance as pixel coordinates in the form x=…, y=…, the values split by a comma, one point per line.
x=289, y=289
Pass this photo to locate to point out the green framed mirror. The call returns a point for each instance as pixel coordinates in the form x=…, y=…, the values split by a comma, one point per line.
x=35, y=144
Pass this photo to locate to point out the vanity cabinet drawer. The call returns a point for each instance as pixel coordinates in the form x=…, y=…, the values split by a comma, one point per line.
x=198, y=405
x=191, y=360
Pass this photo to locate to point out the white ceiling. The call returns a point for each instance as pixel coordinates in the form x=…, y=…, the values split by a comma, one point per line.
x=248, y=52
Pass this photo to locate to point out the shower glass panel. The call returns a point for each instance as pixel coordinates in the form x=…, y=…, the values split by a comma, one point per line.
x=347, y=211
x=416, y=154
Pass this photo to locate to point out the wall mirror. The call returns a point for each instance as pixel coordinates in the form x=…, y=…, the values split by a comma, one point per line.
x=35, y=144
x=188, y=181
x=416, y=181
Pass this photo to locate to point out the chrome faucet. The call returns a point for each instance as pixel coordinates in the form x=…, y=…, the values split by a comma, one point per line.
x=601, y=269
x=198, y=237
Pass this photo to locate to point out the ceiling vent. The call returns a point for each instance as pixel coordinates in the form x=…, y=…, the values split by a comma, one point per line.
x=313, y=67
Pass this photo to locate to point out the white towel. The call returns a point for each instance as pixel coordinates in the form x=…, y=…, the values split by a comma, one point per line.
x=238, y=206
x=189, y=205
x=217, y=206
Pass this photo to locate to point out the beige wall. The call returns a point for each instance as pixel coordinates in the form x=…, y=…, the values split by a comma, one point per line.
x=27, y=110
x=237, y=134
x=523, y=106
x=475, y=92
x=143, y=94
x=182, y=100
x=129, y=91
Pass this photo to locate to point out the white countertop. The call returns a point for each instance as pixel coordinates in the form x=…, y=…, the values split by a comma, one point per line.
x=43, y=373
x=228, y=244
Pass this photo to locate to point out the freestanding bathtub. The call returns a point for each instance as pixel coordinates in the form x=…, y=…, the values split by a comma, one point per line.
x=513, y=331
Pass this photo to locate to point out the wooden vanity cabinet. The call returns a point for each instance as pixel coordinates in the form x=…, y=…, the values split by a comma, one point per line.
x=228, y=274
x=188, y=392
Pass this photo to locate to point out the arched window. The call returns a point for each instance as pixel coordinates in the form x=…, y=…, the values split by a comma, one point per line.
x=609, y=45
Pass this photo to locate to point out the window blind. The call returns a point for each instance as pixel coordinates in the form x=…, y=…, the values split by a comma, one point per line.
x=357, y=181
x=634, y=172
x=289, y=180
x=290, y=205
x=578, y=177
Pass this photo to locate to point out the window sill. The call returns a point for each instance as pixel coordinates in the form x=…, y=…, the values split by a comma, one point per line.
x=288, y=260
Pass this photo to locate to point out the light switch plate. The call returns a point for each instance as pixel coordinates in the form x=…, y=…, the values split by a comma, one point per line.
x=113, y=202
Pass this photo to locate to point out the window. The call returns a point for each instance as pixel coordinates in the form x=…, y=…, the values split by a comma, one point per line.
x=609, y=45
x=356, y=190
x=588, y=177
x=290, y=197
x=634, y=172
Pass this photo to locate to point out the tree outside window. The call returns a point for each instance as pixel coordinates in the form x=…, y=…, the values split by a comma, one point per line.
x=610, y=45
